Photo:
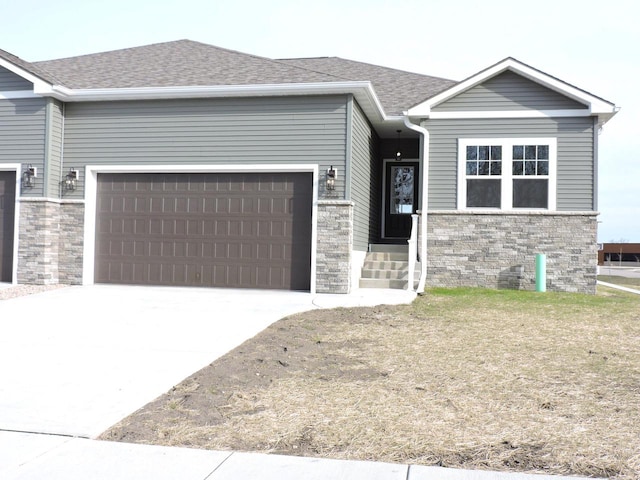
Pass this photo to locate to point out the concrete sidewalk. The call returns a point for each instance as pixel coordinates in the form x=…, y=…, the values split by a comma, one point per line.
x=29, y=457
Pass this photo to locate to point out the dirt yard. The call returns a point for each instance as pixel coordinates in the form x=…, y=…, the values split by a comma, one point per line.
x=514, y=381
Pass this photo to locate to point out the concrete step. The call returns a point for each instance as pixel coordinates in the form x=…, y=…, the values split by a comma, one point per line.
x=382, y=283
x=380, y=256
x=382, y=247
x=385, y=265
x=391, y=274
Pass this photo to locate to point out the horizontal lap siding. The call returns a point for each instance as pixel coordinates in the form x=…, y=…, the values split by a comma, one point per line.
x=22, y=136
x=508, y=91
x=575, y=155
x=208, y=131
x=55, y=127
x=10, y=82
x=364, y=191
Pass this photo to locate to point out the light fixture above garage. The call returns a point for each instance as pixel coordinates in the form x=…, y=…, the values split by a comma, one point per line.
x=71, y=180
x=332, y=175
x=29, y=176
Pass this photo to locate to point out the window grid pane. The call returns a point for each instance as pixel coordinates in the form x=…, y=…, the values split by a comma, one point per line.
x=484, y=160
x=536, y=160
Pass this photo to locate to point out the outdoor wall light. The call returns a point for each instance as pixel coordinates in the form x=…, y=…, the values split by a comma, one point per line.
x=332, y=174
x=71, y=180
x=29, y=176
x=398, y=152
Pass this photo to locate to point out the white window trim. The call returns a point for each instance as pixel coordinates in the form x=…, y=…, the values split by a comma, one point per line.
x=507, y=176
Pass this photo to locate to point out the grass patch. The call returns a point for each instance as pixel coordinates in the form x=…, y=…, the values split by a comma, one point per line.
x=468, y=378
x=624, y=281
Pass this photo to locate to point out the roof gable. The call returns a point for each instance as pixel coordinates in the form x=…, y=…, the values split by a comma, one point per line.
x=26, y=70
x=593, y=105
x=508, y=91
x=10, y=81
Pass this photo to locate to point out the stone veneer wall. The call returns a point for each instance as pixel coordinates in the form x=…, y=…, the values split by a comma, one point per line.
x=50, y=242
x=71, y=243
x=38, y=242
x=498, y=250
x=335, y=241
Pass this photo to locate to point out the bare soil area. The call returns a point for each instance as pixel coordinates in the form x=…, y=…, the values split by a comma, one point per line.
x=467, y=378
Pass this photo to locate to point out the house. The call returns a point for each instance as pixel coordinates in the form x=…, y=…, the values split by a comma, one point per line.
x=182, y=163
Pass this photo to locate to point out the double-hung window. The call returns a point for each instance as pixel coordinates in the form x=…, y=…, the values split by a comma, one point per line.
x=507, y=174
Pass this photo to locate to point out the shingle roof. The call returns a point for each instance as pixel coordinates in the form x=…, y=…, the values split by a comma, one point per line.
x=179, y=63
x=397, y=90
x=189, y=63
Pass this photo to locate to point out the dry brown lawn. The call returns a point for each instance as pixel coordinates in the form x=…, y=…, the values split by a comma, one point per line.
x=467, y=378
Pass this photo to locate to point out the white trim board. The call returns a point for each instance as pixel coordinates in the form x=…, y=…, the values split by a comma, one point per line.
x=15, y=94
x=510, y=114
x=91, y=190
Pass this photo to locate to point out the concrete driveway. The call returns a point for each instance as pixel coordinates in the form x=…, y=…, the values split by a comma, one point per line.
x=74, y=361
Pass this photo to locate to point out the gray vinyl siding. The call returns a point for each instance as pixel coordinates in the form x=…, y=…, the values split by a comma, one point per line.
x=302, y=130
x=10, y=82
x=55, y=124
x=364, y=182
x=22, y=137
x=575, y=170
x=508, y=91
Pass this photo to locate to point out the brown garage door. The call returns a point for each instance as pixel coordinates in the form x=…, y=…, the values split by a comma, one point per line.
x=240, y=230
x=7, y=214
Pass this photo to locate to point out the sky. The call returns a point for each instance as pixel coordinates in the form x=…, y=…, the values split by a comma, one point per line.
x=593, y=45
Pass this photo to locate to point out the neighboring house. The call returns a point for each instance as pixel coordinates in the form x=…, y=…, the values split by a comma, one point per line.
x=186, y=164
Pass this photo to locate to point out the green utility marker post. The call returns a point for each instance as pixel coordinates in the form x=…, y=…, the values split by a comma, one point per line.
x=541, y=272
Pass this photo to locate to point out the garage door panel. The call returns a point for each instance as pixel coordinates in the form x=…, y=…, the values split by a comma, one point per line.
x=233, y=230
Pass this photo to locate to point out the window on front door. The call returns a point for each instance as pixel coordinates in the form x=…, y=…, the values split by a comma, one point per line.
x=400, y=197
x=402, y=191
x=507, y=174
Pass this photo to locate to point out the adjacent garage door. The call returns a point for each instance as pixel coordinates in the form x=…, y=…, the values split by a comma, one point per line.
x=240, y=230
x=7, y=217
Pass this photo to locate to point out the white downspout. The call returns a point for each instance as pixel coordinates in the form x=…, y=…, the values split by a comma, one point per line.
x=425, y=198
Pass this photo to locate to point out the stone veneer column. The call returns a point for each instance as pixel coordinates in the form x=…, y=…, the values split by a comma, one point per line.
x=334, y=246
x=71, y=243
x=498, y=250
x=50, y=242
x=38, y=242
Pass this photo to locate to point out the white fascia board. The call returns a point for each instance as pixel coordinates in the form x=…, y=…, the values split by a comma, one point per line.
x=510, y=114
x=149, y=93
x=14, y=94
x=596, y=106
x=38, y=83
